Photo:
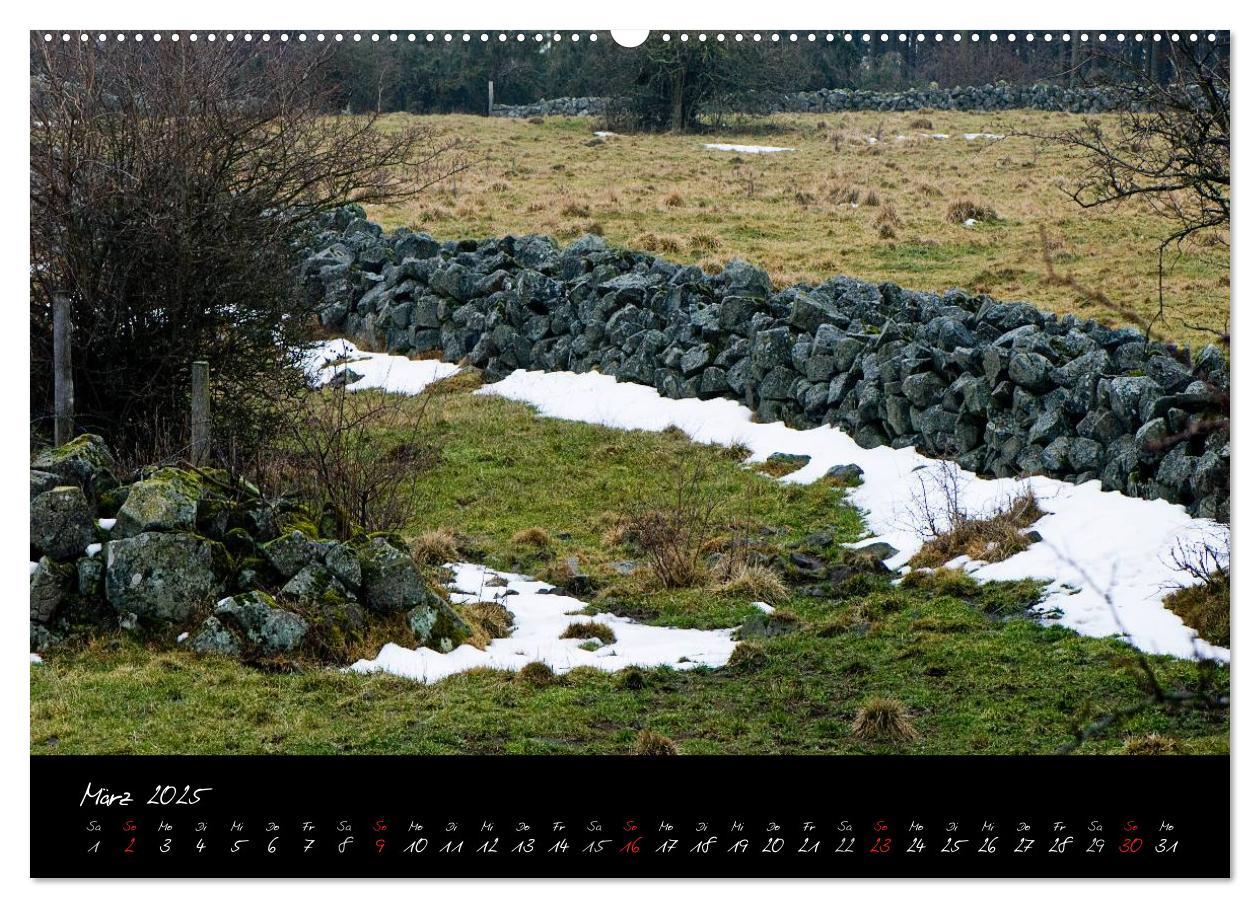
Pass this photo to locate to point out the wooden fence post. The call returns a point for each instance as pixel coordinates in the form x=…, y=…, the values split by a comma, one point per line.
x=63, y=375
x=490, y=109
x=200, y=412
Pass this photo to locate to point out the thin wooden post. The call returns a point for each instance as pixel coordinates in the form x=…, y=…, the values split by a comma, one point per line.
x=63, y=374
x=200, y=412
x=490, y=109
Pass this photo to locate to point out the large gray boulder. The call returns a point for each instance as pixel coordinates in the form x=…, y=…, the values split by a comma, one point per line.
x=165, y=502
x=50, y=582
x=62, y=522
x=162, y=578
x=250, y=623
x=85, y=461
x=292, y=552
x=391, y=581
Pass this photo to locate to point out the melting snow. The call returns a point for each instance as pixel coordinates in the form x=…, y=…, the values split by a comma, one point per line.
x=605, y=134
x=746, y=149
x=92, y=550
x=107, y=523
x=539, y=618
x=36, y=659
x=972, y=136
x=385, y=371
x=1095, y=545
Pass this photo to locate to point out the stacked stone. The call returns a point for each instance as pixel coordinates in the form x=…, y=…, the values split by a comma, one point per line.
x=1001, y=387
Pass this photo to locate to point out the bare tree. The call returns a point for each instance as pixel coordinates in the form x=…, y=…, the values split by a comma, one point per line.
x=1169, y=149
x=171, y=186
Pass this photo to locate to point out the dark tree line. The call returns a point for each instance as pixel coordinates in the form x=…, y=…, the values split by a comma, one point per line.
x=451, y=77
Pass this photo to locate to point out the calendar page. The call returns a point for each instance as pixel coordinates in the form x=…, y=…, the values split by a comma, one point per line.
x=585, y=453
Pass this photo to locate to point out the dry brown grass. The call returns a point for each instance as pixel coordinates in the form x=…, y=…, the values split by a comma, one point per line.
x=884, y=719
x=435, y=546
x=586, y=630
x=674, y=200
x=1151, y=745
x=921, y=123
x=533, y=537
x=755, y=581
x=492, y=618
x=1204, y=607
x=652, y=744
x=1110, y=248
x=991, y=537
x=962, y=210
x=536, y=674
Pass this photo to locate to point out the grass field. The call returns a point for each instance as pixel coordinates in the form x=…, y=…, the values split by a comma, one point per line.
x=973, y=674
x=818, y=211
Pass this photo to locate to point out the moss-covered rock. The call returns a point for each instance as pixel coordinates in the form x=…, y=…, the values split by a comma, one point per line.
x=391, y=581
x=50, y=584
x=315, y=583
x=250, y=623
x=42, y=482
x=292, y=552
x=85, y=461
x=343, y=561
x=161, y=578
x=62, y=522
x=438, y=626
x=165, y=501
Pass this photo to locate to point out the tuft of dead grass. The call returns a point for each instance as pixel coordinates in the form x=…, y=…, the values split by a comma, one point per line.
x=995, y=536
x=435, y=547
x=1204, y=607
x=961, y=210
x=756, y=581
x=492, y=618
x=533, y=537
x=653, y=744
x=884, y=719
x=536, y=674
x=586, y=630
x=1150, y=745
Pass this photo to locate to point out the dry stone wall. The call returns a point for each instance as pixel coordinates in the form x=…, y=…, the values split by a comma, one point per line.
x=1002, y=388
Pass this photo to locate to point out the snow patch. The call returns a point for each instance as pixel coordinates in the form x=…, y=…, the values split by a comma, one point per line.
x=107, y=523
x=539, y=618
x=972, y=136
x=93, y=550
x=746, y=149
x=385, y=371
x=1095, y=545
x=37, y=659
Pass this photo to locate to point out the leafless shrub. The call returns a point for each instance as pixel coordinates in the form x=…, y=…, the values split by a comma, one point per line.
x=171, y=186
x=359, y=455
x=673, y=533
x=950, y=529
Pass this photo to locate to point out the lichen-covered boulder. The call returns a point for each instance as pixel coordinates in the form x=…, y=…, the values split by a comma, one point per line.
x=85, y=461
x=342, y=560
x=50, y=582
x=250, y=623
x=62, y=522
x=315, y=583
x=165, y=501
x=438, y=626
x=42, y=482
x=292, y=552
x=391, y=581
x=161, y=578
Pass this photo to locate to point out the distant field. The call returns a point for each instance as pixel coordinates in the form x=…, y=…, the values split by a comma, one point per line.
x=793, y=213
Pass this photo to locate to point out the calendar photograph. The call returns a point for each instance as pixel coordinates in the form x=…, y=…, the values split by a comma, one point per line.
x=694, y=403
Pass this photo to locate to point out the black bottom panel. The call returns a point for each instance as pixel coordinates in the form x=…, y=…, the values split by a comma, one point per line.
x=452, y=817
